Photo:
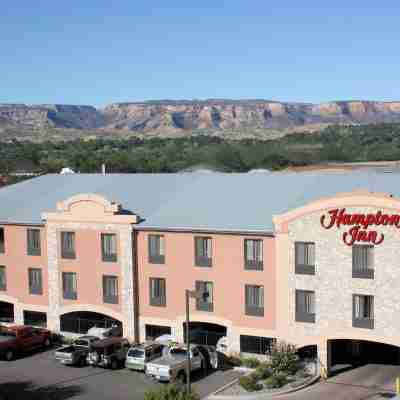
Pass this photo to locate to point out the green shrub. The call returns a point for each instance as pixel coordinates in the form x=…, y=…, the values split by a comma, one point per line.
x=284, y=359
x=170, y=392
x=235, y=360
x=263, y=371
x=249, y=383
x=276, y=380
x=251, y=362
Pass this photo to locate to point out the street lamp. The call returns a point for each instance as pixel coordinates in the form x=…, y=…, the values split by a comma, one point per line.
x=198, y=295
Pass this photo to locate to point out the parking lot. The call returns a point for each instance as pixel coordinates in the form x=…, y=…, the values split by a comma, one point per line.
x=39, y=376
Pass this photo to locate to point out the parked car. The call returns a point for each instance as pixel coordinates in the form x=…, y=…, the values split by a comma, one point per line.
x=76, y=353
x=108, y=353
x=222, y=345
x=173, y=366
x=114, y=330
x=139, y=356
x=20, y=339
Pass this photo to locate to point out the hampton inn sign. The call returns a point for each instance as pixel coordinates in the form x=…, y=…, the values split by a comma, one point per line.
x=359, y=224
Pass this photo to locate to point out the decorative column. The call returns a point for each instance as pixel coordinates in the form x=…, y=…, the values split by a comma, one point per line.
x=127, y=275
x=53, y=315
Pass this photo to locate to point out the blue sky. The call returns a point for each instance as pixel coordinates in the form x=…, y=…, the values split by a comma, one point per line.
x=98, y=52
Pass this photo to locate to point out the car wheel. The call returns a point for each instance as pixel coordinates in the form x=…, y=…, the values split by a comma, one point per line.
x=47, y=342
x=114, y=364
x=9, y=354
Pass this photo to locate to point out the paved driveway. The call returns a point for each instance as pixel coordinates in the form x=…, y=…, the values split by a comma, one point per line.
x=40, y=377
x=369, y=382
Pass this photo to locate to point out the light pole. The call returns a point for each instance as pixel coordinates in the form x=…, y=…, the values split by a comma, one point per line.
x=196, y=294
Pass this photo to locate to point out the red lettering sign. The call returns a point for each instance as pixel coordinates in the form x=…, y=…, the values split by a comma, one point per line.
x=360, y=224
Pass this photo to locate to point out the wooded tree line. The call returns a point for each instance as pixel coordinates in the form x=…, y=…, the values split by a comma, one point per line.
x=335, y=143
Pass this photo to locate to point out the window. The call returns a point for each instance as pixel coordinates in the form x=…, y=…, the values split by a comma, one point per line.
x=253, y=254
x=305, y=306
x=35, y=318
x=157, y=292
x=33, y=242
x=2, y=245
x=68, y=245
x=254, y=300
x=363, y=261
x=3, y=278
x=69, y=285
x=256, y=344
x=35, y=281
x=206, y=303
x=363, y=311
x=156, y=249
x=203, y=251
x=304, y=258
x=109, y=247
x=154, y=331
x=110, y=289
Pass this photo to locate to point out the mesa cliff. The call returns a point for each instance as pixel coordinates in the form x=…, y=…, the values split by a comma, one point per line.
x=185, y=116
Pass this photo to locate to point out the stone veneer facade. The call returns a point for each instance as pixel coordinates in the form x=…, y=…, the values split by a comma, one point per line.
x=333, y=283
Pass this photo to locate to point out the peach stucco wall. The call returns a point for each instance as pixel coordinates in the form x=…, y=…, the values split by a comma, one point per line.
x=90, y=269
x=227, y=274
x=17, y=263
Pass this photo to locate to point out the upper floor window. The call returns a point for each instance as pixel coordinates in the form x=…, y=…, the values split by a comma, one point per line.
x=363, y=261
x=254, y=297
x=157, y=292
x=109, y=247
x=110, y=289
x=3, y=278
x=156, y=249
x=304, y=258
x=69, y=284
x=33, y=242
x=68, y=245
x=305, y=306
x=363, y=311
x=203, y=251
x=2, y=241
x=35, y=281
x=253, y=254
x=206, y=302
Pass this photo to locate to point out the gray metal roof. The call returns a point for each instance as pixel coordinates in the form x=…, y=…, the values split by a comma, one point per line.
x=197, y=201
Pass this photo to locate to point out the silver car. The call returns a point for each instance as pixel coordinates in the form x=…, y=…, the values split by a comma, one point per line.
x=138, y=356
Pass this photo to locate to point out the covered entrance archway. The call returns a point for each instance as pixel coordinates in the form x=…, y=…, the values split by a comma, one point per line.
x=204, y=332
x=81, y=321
x=360, y=352
x=6, y=312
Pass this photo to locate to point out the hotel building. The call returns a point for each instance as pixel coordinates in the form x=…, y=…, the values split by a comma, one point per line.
x=309, y=258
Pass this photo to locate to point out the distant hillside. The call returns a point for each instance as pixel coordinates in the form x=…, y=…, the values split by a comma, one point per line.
x=237, y=119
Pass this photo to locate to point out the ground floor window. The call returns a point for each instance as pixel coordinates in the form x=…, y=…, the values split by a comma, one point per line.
x=6, y=312
x=35, y=318
x=256, y=344
x=154, y=331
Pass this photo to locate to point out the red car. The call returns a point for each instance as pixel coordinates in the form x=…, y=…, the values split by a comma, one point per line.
x=21, y=339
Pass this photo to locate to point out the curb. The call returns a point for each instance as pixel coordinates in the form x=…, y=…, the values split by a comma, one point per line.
x=259, y=396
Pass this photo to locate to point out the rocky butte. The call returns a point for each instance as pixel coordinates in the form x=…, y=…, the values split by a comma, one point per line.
x=165, y=116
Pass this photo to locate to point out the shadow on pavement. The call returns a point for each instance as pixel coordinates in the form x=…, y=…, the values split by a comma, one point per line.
x=27, y=391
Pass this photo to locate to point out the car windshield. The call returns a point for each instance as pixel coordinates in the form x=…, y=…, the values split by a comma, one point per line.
x=137, y=353
x=81, y=343
x=178, y=351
